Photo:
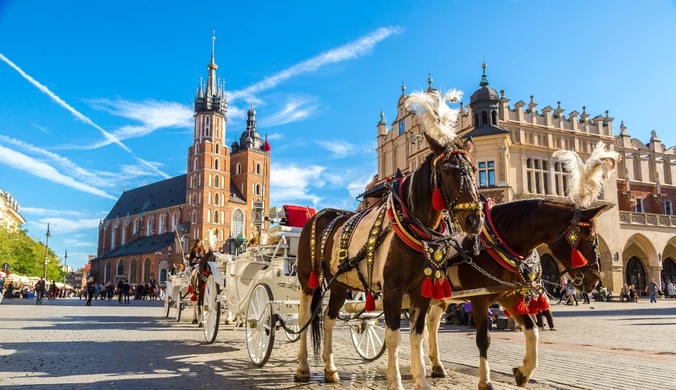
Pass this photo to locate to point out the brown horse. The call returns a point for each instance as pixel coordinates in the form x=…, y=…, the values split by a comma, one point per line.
x=516, y=229
x=392, y=266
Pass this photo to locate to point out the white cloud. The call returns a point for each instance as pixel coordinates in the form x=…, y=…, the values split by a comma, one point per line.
x=358, y=185
x=339, y=148
x=108, y=136
x=72, y=242
x=293, y=184
x=296, y=109
x=275, y=136
x=64, y=225
x=20, y=161
x=51, y=212
x=41, y=128
x=355, y=49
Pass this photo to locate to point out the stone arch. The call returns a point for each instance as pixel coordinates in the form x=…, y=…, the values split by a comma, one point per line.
x=638, y=255
x=668, y=266
x=606, y=264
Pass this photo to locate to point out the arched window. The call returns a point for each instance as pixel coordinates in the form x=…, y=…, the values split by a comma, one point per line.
x=123, y=233
x=258, y=189
x=216, y=164
x=238, y=168
x=194, y=216
x=149, y=227
x=484, y=118
x=494, y=117
x=476, y=119
x=106, y=272
x=207, y=124
x=196, y=148
x=216, y=200
x=112, y=238
x=216, y=181
x=132, y=271
x=163, y=275
x=160, y=229
x=215, y=216
x=259, y=169
x=218, y=148
x=208, y=215
x=669, y=270
x=237, y=224
x=120, y=268
x=210, y=180
x=209, y=198
x=635, y=274
x=135, y=226
x=146, y=270
x=195, y=164
x=174, y=222
x=192, y=182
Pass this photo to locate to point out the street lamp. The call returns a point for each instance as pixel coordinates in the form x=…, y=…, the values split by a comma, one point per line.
x=258, y=217
x=47, y=235
x=65, y=266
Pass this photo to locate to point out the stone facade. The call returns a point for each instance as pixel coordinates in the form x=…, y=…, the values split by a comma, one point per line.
x=10, y=217
x=514, y=147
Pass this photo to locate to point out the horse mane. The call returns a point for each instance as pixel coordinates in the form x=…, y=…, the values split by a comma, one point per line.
x=516, y=215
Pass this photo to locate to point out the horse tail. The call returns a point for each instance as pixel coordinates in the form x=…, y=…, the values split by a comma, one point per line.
x=316, y=320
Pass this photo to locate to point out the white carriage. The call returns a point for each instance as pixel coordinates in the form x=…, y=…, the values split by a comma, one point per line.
x=260, y=288
x=176, y=291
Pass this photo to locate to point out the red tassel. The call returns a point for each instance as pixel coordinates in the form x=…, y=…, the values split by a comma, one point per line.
x=507, y=314
x=190, y=289
x=193, y=298
x=313, y=282
x=543, y=304
x=448, y=292
x=533, y=306
x=427, y=288
x=438, y=292
x=577, y=259
x=370, y=302
x=520, y=306
x=438, y=201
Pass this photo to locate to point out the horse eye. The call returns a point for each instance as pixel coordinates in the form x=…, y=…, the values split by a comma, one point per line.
x=446, y=168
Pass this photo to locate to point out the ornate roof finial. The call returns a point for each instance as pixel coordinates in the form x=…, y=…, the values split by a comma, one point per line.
x=251, y=100
x=429, y=80
x=558, y=104
x=584, y=109
x=403, y=88
x=531, y=98
x=213, y=44
x=382, y=115
x=484, y=80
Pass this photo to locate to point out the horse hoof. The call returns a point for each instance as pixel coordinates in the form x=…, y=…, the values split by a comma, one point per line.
x=194, y=322
x=487, y=386
x=438, y=372
x=521, y=380
x=331, y=376
x=200, y=325
x=302, y=376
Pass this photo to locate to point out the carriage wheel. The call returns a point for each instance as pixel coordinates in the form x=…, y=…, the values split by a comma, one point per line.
x=368, y=339
x=179, y=308
x=167, y=306
x=260, y=331
x=211, y=310
x=293, y=337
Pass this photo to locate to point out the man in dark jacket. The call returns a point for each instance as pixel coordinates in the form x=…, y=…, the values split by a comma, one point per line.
x=39, y=291
x=120, y=284
x=126, y=290
x=91, y=290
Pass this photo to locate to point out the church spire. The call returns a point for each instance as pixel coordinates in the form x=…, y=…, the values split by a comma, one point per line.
x=211, y=78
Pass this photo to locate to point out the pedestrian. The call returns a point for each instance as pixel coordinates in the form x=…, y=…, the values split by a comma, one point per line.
x=671, y=288
x=585, y=297
x=91, y=290
x=563, y=286
x=39, y=290
x=570, y=290
x=110, y=289
x=624, y=293
x=120, y=285
x=652, y=288
x=126, y=290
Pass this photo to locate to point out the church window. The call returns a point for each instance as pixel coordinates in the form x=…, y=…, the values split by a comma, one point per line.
x=209, y=198
x=132, y=271
x=146, y=270
x=216, y=164
x=199, y=198
x=402, y=127
x=199, y=180
x=258, y=189
x=206, y=126
x=210, y=180
x=123, y=235
x=484, y=118
x=192, y=182
x=494, y=117
x=195, y=164
x=238, y=169
x=120, y=268
x=196, y=149
x=216, y=181
x=216, y=200
x=135, y=226
x=160, y=229
x=194, y=216
x=209, y=216
x=174, y=222
x=149, y=227
x=237, y=224
x=259, y=169
x=218, y=149
x=112, y=238
x=215, y=216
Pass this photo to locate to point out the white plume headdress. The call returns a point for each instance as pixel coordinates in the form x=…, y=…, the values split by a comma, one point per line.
x=435, y=115
x=212, y=239
x=587, y=177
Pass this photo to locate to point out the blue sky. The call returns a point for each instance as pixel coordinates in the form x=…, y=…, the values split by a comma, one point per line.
x=96, y=96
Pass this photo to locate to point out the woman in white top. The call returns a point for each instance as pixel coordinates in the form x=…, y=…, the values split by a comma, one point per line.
x=671, y=289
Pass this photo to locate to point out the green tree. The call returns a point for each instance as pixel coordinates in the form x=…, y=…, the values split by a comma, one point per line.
x=26, y=256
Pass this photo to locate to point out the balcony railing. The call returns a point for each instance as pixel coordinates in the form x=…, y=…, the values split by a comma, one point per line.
x=628, y=217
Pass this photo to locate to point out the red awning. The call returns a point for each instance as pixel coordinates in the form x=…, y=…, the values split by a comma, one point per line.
x=297, y=216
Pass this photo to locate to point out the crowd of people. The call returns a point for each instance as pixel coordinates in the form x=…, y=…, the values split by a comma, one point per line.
x=123, y=291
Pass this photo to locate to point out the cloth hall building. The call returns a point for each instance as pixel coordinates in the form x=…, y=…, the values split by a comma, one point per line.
x=514, y=146
x=138, y=237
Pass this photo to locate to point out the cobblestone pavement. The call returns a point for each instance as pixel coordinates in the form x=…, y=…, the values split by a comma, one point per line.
x=65, y=345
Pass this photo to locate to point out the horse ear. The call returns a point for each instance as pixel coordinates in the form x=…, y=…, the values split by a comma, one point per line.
x=589, y=214
x=437, y=148
x=468, y=145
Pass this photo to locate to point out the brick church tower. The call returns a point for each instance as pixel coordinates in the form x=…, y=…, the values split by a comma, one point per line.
x=208, y=179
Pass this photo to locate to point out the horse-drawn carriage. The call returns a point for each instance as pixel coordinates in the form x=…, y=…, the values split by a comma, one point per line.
x=259, y=288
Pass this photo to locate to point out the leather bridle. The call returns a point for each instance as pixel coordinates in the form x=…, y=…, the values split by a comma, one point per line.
x=575, y=225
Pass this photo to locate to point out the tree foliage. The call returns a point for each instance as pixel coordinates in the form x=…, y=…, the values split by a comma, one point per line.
x=26, y=256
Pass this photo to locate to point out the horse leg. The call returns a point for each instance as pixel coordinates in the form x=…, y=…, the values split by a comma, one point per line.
x=419, y=307
x=336, y=301
x=392, y=307
x=523, y=373
x=194, y=312
x=304, y=314
x=483, y=340
x=433, y=319
x=200, y=305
